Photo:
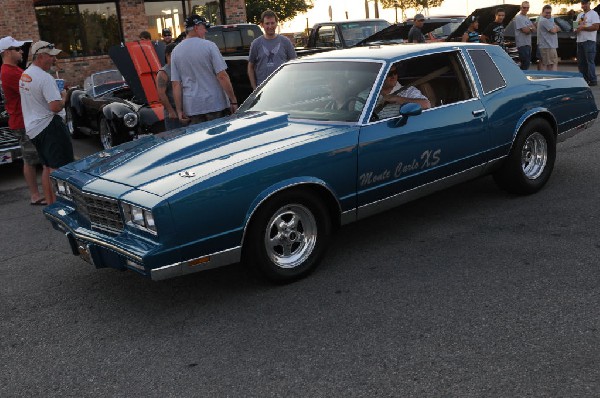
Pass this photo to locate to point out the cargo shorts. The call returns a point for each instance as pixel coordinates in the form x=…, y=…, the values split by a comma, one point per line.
x=28, y=151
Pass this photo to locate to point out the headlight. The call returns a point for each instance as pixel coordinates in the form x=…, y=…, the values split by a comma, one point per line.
x=130, y=119
x=139, y=217
x=61, y=188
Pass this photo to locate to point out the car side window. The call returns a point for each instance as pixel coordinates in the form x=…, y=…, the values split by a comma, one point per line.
x=439, y=77
x=489, y=75
x=327, y=37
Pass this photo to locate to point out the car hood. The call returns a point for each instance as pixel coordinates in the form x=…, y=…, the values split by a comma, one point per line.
x=138, y=62
x=486, y=16
x=168, y=161
x=400, y=31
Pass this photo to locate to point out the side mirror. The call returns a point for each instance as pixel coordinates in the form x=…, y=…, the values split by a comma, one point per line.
x=406, y=110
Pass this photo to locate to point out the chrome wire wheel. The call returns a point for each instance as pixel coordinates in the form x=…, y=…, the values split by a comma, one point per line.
x=291, y=236
x=534, y=155
x=106, y=137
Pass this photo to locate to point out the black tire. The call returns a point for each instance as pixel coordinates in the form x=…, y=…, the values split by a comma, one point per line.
x=72, y=123
x=531, y=160
x=288, y=236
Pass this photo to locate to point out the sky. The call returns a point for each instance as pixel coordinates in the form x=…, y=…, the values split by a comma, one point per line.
x=356, y=10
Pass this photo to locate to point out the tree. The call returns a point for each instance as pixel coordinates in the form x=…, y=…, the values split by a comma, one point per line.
x=285, y=9
x=561, y=2
x=404, y=5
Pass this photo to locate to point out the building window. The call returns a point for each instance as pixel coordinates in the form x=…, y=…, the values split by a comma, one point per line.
x=208, y=9
x=164, y=14
x=80, y=29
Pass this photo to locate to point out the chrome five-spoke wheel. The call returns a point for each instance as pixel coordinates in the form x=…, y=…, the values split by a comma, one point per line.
x=291, y=236
x=534, y=155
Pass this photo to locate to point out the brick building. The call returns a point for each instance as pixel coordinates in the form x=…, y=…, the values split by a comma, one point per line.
x=85, y=29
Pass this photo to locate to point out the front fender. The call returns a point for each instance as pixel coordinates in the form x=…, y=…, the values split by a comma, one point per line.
x=306, y=181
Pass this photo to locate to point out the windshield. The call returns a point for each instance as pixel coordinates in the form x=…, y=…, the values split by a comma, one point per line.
x=353, y=32
x=104, y=82
x=323, y=91
x=444, y=31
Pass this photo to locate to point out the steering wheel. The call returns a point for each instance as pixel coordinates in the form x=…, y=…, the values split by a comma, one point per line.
x=355, y=99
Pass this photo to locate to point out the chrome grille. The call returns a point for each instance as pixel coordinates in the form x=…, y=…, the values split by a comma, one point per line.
x=102, y=213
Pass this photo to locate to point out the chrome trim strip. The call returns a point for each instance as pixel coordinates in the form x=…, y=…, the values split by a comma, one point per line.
x=217, y=259
x=420, y=191
x=348, y=217
x=575, y=130
x=95, y=241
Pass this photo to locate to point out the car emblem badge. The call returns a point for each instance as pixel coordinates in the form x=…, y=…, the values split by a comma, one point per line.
x=187, y=174
x=104, y=155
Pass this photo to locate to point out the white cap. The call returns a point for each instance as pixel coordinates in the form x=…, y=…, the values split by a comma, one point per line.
x=8, y=42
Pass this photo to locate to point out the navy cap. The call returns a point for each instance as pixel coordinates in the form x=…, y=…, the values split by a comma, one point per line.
x=194, y=20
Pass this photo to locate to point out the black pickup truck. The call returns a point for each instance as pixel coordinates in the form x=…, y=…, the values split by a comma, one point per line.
x=234, y=43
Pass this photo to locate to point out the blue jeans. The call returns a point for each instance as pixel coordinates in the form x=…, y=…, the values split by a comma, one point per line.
x=586, y=55
x=524, y=56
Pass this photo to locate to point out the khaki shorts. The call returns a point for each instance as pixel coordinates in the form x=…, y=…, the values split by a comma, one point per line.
x=28, y=151
x=549, y=56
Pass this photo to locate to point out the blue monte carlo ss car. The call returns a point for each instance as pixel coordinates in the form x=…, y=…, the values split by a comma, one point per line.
x=313, y=148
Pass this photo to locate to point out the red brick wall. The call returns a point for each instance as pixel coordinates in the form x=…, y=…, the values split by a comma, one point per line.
x=74, y=70
x=133, y=18
x=18, y=20
x=235, y=11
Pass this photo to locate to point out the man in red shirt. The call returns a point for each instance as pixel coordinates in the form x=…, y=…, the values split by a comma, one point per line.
x=10, y=74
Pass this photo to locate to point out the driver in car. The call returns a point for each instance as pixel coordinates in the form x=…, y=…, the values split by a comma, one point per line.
x=393, y=96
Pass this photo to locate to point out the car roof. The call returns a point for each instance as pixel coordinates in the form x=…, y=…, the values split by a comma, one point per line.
x=389, y=52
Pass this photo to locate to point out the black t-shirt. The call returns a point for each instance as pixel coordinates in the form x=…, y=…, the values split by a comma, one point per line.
x=495, y=33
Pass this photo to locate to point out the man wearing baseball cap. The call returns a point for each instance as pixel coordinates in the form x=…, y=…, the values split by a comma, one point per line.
x=589, y=21
x=43, y=111
x=201, y=87
x=167, y=36
x=10, y=74
x=415, y=35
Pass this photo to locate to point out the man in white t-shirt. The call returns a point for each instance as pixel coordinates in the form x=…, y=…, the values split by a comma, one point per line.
x=589, y=21
x=43, y=112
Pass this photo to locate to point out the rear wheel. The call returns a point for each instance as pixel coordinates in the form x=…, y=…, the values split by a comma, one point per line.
x=531, y=159
x=288, y=236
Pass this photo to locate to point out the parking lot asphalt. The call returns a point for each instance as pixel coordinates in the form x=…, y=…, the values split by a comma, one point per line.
x=470, y=292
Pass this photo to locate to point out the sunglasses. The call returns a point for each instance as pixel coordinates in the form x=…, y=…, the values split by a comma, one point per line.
x=15, y=48
x=392, y=73
x=167, y=36
x=420, y=20
x=48, y=46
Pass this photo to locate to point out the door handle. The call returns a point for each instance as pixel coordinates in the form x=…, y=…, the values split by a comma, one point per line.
x=479, y=113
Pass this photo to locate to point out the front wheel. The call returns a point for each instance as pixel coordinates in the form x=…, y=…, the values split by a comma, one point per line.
x=288, y=236
x=106, y=134
x=71, y=123
x=531, y=160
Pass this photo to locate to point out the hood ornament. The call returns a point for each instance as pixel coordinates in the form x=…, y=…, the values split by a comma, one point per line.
x=187, y=174
x=104, y=155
